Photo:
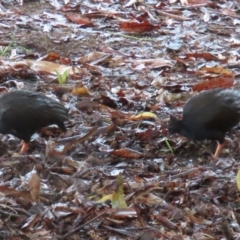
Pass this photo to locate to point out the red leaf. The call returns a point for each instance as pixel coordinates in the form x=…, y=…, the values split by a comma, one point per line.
x=144, y=26
x=127, y=153
x=219, y=82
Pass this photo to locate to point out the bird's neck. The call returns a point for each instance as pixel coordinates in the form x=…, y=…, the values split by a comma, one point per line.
x=184, y=129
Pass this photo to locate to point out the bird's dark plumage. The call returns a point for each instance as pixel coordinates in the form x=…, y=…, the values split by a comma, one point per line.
x=24, y=112
x=208, y=115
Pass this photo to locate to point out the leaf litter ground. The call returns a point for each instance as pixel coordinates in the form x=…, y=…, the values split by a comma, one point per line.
x=130, y=64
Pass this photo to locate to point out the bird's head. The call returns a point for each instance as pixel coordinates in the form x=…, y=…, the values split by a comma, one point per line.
x=174, y=125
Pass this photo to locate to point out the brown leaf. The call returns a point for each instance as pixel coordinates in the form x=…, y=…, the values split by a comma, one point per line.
x=215, y=70
x=206, y=56
x=76, y=18
x=73, y=141
x=95, y=57
x=87, y=104
x=34, y=186
x=227, y=231
x=31, y=221
x=165, y=222
x=229, y=12
x=51, y=56
x=80, y=91
x=8, y=191
x=127, y=153
x=215, y=77
x=144, y=26
x=219, y=82
x=193, y=2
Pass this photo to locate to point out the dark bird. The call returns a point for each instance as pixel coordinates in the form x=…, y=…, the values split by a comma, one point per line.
x=208, y=115
x=24, y=112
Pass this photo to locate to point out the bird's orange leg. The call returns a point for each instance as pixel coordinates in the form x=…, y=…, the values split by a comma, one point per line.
x=219, y=149
x=24, y=147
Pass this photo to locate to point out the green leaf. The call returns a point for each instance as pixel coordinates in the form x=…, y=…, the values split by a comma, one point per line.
x=168, y=145
x=62, y=78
